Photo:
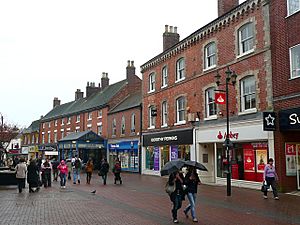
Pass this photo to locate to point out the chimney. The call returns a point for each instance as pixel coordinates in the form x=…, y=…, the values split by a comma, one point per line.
x=78, y=94
x=104, y=80
x=90, y=89
x=130, y=70
x=225, y=6
x=56, y=102
x=170, y=37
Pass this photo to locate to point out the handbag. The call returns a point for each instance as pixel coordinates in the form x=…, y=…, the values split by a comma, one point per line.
x=264, y=187
x=170, y=188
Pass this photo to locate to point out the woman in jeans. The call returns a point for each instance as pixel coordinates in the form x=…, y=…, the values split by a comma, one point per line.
x=270, y=176
x=63, y=171
x=192, y=181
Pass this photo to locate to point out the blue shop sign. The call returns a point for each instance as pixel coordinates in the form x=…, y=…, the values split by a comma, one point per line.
x=124, y=145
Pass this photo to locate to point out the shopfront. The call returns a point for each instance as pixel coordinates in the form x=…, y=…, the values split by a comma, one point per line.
x=127, y=153
x=289, y=121
x=248, y=156
x=162, y=147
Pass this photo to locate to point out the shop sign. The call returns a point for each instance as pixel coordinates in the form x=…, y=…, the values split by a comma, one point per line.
x=169, y=138
x=249, y=160
x=289, y=119
x=156, y=158
x=174, y=152
x=220, y=98
x=290, y=159
x=269, y=120
x=114, y=146
x=25, y=150
x=231, y=135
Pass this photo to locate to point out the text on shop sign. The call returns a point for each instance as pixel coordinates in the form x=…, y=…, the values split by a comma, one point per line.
x=230, y=136
x=168, y=138
x=294, y=118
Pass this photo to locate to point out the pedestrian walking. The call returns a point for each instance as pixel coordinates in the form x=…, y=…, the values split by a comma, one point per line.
x=176, y=178
x=89, y=170
x=117, y=172
x=63, y=171
x=55, y=164
x=21, y=170
x=46, y=173
x=191, y=181
x=104, y=168
x=76, y=166
x=33, y=177
x=271, y=178
x=69, y=164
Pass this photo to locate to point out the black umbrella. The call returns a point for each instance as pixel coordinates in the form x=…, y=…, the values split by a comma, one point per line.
x=195, y=164
x=172, y=166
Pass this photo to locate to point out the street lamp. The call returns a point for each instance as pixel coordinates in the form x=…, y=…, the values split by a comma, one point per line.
x=230, y=77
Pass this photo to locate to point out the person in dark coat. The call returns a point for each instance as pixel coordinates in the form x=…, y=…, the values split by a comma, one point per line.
x=46, y=173
x=33, y=176
x=104, y=170
x=117, y=172
x=177, y=179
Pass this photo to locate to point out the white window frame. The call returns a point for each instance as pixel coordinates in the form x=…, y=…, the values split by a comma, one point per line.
x=63, y=121
x=289, y=5
x=210, y=56
x=164, y=114
x=55, y=123
x=78, y=118
x=99, y=129
x=43, y=138
x=151, y=82
x=49, y=124
x=123, y=125
x=180, y=108
x=62, y=132
x=90, y=116
x=100, y=113
x=209, y=104
x=32, y=139
x=243, y=94
x=49, y=137
x=132, y=122
x=69, y=120
x=294, y=68
x=55, y=137
x=164, y=77
x=114, y=127
x=180, y=69
x=248, y=39
x=151, y=122
x=43, y=125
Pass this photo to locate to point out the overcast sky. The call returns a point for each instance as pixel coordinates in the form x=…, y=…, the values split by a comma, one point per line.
x=51, y=48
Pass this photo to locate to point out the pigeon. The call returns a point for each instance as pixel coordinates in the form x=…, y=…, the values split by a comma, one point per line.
x=93, y=192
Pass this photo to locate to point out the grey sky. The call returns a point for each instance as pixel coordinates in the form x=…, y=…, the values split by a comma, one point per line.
x=50, y=48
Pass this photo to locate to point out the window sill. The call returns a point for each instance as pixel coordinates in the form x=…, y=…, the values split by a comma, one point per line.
x=248, y=111
x=293, y=78
x=209, y=68
x=164, y=126
x=162, y=87
x=149, y=92
x=99, y=117
x=245, y=53
x=151, y=128
x=177, y=81
x=214, y=117
x=77, y=121
x=292, y=13
x=180, y=123
x=89, y=119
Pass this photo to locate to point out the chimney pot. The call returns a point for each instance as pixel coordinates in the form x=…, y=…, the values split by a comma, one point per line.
x=166, y=28
x=225, y=6
x=170, y=38
x=128, y=63
x=171, y=29
x=132, y=63
x=175, y=30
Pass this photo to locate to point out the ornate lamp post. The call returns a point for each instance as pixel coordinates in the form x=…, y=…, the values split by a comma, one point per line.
x=230, y=77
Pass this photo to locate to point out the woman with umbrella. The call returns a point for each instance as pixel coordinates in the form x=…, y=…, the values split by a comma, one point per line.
x=176, y=178
x=192, y=181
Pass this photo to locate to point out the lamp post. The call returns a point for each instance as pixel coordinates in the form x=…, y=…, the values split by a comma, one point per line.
x=230, y=77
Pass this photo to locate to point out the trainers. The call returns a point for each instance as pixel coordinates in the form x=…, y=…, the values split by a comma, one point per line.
x=265, y=197
x=276, y=198
x=175, y=221
x=185, y=213
x=195, y=220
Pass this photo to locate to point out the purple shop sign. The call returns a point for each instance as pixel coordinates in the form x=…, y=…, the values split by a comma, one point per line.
x=174, y=153
x=156, y=158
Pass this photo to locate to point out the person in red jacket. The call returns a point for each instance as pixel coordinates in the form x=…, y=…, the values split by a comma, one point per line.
x=63, y=171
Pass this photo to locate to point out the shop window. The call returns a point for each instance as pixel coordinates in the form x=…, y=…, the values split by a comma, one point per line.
x=164, y=77
x=248, y=93
x=180, y=70
x=180, y=110
x=293, y=6
x=295, y=61
x=149, y=158
x=165, y=155
x=123, y=126
x=210, y=55
x=210, y=104
x=246, y=39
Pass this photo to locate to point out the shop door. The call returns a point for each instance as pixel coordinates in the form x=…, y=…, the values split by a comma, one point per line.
x=298, y=166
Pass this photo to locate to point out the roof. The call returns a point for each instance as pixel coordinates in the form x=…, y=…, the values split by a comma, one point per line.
x=84, y=135
x=34, y=127
x=132, y=101
x=97, y=100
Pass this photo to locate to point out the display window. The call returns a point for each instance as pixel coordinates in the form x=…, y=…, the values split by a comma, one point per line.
x=248, y=161
x=150, y=158
x=165, y=154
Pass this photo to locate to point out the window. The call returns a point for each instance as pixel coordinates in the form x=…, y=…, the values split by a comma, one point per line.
x=164, y=114
x=43, y=125
x=62, y=121
x=152, y=111
x=180, y=70
x=32, y=139
x=246, y=39
x=62, y=134
x=248, y=96
x=77, y=118
x=114, y=127
x=25, y=139
x=99, y=130
x=295, y=61
x=90, y=116
x=164, y=77
x=49, y=137
x=100, y=113
x=210, y=55
x=152, y=82
x=293, y=6
x=123, y=126
x=55, y=137
x=55, y=123
x=49, y=124
x=132, y=129
x=210, y=105
x=180, y=110
x=69, y=120
x=43, y=138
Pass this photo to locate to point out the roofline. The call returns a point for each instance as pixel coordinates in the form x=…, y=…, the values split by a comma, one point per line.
x=136, y=106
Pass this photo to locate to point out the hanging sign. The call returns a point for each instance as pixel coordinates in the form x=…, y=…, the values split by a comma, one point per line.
x=220, y=98
x=269, y=121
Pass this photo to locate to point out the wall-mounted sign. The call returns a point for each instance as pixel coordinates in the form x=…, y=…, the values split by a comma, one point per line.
x=291, y=159
x=289, y=119
x=269, y=120
x=220, y=98
x=231, y=135
x=153, y=112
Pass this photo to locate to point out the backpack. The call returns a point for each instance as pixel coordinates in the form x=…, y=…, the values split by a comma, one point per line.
x=170, y=188
x=77, y=163
x=117, y=168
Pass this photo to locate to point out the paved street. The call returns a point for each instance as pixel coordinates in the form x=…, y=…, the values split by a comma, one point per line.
x=141, y=200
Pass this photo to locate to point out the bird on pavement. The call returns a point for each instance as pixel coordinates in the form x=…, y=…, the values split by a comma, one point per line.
x=93, y=192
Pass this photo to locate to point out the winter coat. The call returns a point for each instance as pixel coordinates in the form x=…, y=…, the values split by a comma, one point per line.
x=178, y=188
x=104, y=167
x=63, y=168
x=33, y=175
x=192, y=184
x=89, y=167
x=21, y=170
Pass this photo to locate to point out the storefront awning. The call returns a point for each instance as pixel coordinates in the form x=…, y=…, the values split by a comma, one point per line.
x=82, y=136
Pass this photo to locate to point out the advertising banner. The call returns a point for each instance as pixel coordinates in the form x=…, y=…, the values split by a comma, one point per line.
x=290, y=159
x=249, y=160
x=156, y=158
x=174, y=153
x=261, y=159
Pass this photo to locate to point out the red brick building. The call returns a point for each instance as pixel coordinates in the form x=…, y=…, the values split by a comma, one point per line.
x=181, y=118
x=86, y=113
x=285, y=47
